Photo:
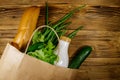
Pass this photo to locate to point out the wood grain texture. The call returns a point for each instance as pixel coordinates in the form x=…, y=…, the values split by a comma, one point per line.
x=101, y=30
x=39, y=2
x=100, y=72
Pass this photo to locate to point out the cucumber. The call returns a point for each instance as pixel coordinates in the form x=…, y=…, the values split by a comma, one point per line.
x=80, y=56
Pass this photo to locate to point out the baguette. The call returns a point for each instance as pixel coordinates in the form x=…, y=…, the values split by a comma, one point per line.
x=26, y=27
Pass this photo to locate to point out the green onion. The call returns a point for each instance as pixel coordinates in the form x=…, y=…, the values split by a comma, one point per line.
x=67, y=16
x=71, y=35
x=46, y=14
x=63, y=19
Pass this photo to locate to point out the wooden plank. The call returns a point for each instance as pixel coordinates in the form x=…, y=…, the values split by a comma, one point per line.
x=38, y=2
x=101, y=61
x=4, y=41
x=10, y=18
x=101, y=72
x=101, y=68
x=7, y=33
x=88, y=17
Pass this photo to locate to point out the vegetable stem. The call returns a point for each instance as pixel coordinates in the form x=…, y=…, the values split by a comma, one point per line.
x=46, y=14
x=67, y=16
x=61, y=21
x=71, y=35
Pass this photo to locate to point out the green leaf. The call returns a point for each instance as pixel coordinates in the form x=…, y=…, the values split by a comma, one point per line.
x=50, y=45
x=40, y=54
x=46, y=53
x=37, y=37
x=71, y=35
x=35, y=46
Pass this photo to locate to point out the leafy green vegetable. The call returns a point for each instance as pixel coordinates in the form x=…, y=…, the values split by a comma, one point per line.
x=46, y=53
x=35, y=46
x=37, y=37
x=50, y=45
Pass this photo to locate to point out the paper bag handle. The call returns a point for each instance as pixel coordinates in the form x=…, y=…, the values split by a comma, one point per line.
x=37, y=30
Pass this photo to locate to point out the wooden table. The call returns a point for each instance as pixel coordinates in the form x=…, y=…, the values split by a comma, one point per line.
x=101, y=21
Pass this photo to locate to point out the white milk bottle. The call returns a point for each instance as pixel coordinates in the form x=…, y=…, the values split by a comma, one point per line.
x=62, y=51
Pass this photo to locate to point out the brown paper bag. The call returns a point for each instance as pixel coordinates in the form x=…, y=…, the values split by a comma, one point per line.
x=15, y=65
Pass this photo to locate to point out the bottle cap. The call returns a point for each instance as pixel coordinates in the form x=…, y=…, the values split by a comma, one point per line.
x=65, y=38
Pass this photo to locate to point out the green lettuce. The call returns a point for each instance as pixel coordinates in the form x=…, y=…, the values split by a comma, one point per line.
x=46, y=53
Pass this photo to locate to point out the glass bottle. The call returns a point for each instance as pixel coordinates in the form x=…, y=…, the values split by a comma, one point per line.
x=62, y=51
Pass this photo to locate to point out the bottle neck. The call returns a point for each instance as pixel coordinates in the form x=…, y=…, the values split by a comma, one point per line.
x=64, y=42
x=66, y=39
x=63, y=45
